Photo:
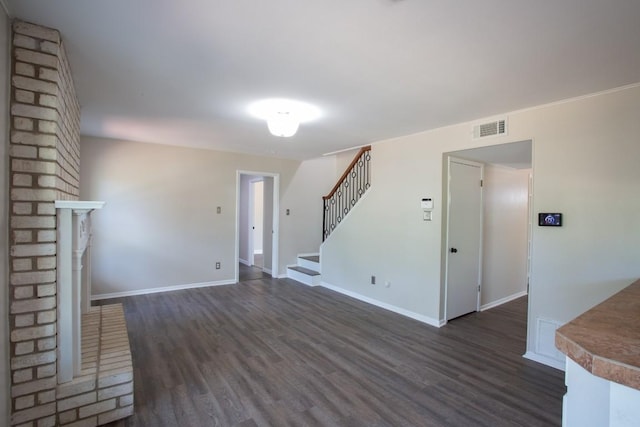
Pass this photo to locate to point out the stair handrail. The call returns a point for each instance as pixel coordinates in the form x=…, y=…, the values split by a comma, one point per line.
x=361, y=155
x=347, y=171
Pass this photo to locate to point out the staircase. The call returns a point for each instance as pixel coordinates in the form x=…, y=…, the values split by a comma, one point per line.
x=351, y=186
x=307, y=270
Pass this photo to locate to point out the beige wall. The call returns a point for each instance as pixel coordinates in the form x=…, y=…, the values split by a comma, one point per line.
x=505, y=234
x=4, y=219
x=584, y=165
x=159, y=228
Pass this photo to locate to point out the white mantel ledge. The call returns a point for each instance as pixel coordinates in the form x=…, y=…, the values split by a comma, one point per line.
x=78, y=204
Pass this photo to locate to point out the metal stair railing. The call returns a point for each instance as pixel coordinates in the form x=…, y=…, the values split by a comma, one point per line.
x=351, y=186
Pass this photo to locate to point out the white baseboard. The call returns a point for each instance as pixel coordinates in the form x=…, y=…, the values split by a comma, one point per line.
x=407, y=313
x=96, y=297
x=267, y=270
x=245, y=262
x=545, y=360
x=503, y=300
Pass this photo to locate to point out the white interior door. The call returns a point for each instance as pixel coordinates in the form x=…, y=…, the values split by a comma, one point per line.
x=464, y=236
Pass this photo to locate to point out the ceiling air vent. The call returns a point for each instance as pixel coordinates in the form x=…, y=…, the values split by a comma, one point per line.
x=495, y=128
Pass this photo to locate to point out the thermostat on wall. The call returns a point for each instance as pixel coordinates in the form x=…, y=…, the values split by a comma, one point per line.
x=546, y=219
x=426, y=203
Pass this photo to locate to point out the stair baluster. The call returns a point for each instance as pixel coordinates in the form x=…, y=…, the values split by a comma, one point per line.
x=351, y=186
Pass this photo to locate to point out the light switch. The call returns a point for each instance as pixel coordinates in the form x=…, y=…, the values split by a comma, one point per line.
x=426, y=215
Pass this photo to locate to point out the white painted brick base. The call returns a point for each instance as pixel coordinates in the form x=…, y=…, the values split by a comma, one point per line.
x=104, y=392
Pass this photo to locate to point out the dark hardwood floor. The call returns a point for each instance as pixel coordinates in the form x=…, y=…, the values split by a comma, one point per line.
x=269, y=352
x=251, y=273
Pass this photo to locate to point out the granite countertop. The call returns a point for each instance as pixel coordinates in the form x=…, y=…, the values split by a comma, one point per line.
x=605, y=340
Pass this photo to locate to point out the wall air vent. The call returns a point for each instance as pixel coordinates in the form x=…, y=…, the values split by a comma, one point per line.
x=495, y=128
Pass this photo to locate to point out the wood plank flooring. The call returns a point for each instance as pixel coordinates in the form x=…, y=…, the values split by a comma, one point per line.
x=249, y=273
x=272, y=352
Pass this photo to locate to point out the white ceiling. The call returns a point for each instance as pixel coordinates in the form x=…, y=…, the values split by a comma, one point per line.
x=183, y=72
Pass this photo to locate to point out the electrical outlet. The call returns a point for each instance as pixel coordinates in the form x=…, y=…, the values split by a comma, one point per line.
x=373, y=280
x=219, y=209
x=218, y=265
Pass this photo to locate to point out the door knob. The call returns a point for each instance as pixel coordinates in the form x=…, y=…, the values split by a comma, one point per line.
x=454, y=250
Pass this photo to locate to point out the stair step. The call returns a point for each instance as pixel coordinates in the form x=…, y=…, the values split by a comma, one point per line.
x=303, y=275
x=310, y=261
x=303, y=270
x=307, y=270
x=312, y=258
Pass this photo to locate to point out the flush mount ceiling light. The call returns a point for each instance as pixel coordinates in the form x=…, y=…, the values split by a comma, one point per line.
x=282, y=123
x=283, y=116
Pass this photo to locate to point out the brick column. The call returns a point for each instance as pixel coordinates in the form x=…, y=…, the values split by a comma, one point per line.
x=45, y=163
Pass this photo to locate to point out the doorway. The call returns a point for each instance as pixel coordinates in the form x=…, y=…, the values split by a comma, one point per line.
x=257, y=222
x=506, y=225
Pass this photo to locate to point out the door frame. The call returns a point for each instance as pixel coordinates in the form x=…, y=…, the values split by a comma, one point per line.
x=446, y=254
x=275, y=226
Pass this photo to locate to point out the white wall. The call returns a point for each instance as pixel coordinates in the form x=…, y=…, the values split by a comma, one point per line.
x=384, y=234
x=245, y=217
x=159, y=227
x=343, y=160
x=317, y=176
x=258, y=216
x=267, y=237
x=583, y=151
x=505, y=237
x=583, y=148
x=4, y=216
x=243, y=220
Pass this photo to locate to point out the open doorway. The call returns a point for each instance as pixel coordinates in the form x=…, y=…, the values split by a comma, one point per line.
x=257, y=204
x=256, y=222
x=506, y=223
